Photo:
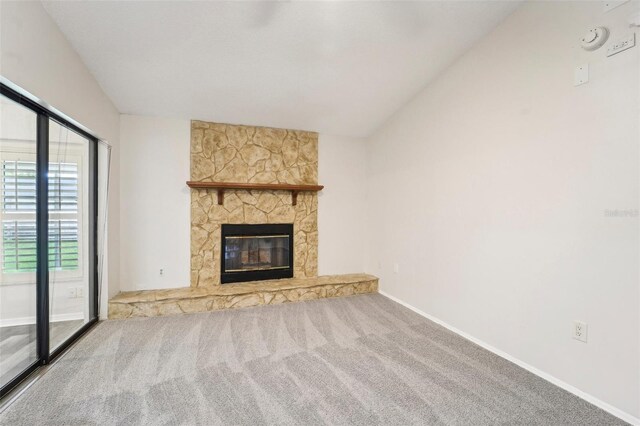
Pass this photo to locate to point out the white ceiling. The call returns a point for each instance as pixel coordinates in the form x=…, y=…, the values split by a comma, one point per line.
x=334, y=67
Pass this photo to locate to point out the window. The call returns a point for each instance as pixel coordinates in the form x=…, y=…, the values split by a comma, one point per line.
x=19, y=222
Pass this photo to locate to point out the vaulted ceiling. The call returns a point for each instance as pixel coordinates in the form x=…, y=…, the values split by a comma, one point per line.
x=334, y=67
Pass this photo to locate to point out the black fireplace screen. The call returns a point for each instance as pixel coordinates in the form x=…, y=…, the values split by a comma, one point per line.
x=256, y=252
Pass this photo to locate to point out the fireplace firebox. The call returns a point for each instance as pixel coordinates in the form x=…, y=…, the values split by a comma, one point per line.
x=256, y=252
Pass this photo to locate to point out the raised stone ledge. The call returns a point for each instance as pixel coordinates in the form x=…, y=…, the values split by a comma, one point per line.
x=151, y=303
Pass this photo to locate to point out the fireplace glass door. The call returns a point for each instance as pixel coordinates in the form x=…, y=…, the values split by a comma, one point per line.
x=256, y=252
x=247, y=253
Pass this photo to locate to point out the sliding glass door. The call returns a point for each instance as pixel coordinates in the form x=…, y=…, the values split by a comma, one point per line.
x=48, y=211
x=69, y=257
x=18, y=298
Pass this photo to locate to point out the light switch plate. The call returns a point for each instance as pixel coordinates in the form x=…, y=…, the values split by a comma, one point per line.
x=581, y=75
x=622, y=45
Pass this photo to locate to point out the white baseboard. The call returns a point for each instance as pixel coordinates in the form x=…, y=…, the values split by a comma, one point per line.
x=12, y=322
x=569, y=388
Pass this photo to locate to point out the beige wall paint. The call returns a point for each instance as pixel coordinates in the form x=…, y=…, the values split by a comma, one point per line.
x=490, y=190
x=35, y=56
x=341, y=212
x=154, y=202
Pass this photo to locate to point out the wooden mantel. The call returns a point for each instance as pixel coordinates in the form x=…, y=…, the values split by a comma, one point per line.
x=222, y=186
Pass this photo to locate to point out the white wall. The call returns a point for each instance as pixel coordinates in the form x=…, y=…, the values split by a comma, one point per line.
x=155, y=202
x=490, y=190
x=341, y=204
x=155, y=212
x=35, y=56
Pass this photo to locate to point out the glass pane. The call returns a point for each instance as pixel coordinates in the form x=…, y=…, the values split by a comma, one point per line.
x=69, y=265
x=259, y=253
x=17, y=246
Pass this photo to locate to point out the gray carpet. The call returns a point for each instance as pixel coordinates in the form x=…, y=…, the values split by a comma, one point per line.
x=361, y=360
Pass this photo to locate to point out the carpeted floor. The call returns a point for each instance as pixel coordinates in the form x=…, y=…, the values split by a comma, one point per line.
x=362, y=360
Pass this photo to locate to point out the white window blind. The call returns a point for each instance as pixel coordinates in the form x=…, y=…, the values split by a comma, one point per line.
x=19, y=224
x=18, y=186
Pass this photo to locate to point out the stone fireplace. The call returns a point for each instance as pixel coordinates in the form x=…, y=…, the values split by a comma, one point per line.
x=245, y=154
x=256, y=252
x=254, y=216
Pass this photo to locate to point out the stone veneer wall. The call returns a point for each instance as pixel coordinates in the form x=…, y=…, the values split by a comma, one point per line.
x=231, y=153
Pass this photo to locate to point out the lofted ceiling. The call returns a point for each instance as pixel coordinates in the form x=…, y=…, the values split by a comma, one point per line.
x=334, y=67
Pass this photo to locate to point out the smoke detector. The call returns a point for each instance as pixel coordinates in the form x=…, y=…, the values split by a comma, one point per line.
x=595, y=38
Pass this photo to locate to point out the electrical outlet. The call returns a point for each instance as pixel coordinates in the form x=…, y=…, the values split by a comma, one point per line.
x=79, y=292
x=161, y=272
x=580, y=331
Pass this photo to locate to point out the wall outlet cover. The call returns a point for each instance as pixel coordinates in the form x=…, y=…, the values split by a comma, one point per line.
x=580, y=331
x=581, y=75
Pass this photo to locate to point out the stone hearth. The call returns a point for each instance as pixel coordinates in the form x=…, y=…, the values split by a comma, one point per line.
x=151, y=303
